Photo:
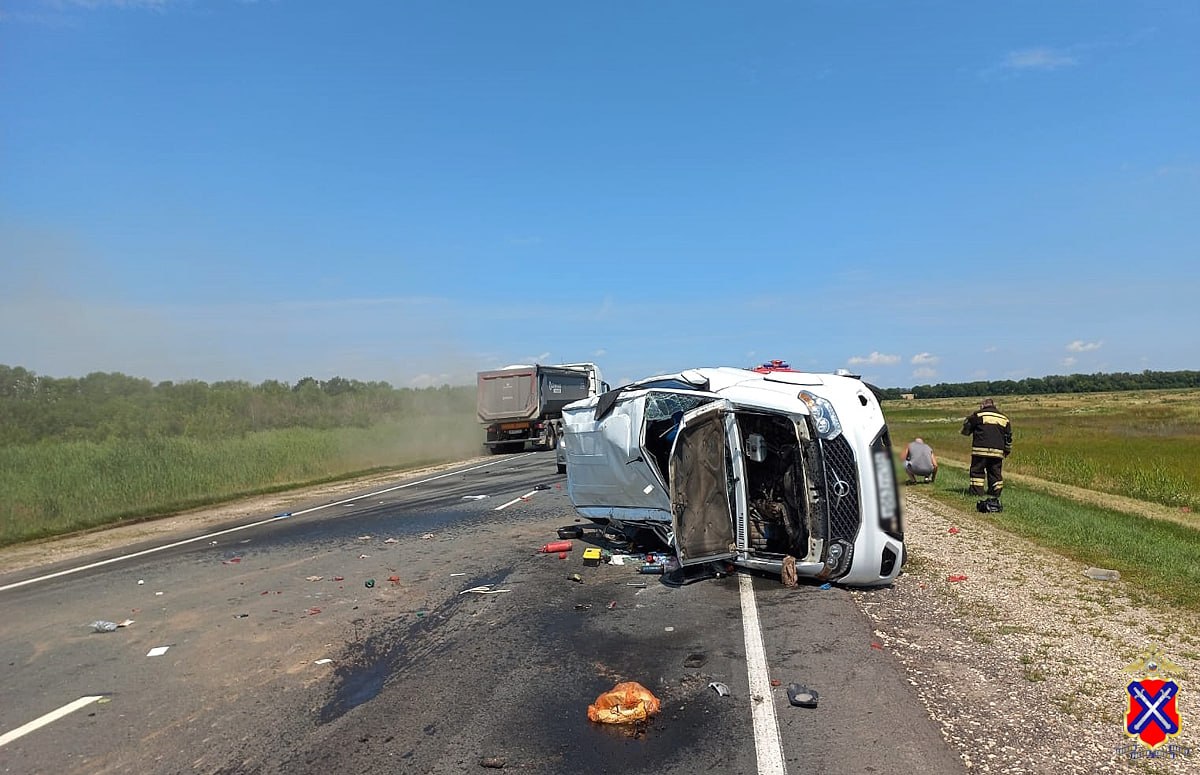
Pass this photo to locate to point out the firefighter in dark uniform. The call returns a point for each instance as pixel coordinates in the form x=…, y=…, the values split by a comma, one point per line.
x=991, y=442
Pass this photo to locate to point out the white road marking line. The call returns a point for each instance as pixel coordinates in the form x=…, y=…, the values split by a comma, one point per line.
x=207, y=536
x=766, y=726
x=504, y=506
x=50, y=717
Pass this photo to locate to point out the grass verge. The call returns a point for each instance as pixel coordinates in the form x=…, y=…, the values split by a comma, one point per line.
x=1156, y=557
x=58, y=488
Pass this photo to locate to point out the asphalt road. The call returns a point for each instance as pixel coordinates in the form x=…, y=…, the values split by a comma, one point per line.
x=424, y=677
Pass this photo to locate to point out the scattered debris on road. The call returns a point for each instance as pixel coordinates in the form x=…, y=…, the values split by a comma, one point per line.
x=157, y=651
x=626, y=703
x=720, y=688
x=801, y=696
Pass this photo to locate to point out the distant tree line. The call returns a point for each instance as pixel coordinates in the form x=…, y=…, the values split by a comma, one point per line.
x=1074, y=383
x=104, y=405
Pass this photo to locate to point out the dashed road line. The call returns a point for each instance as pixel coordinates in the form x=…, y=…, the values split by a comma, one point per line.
x=49, y=718
x=524, y=497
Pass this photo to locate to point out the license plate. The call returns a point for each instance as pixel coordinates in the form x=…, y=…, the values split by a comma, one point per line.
x=514, y=426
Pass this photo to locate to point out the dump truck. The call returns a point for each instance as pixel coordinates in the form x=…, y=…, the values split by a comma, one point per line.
x=523, y=404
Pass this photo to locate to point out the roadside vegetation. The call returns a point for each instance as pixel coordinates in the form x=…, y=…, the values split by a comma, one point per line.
x=1142, y=445
x=81, y=453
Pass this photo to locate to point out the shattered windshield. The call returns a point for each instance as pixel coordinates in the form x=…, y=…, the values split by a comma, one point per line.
x=663, y=406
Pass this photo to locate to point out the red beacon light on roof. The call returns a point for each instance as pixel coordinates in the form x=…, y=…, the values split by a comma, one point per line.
x=775, y=364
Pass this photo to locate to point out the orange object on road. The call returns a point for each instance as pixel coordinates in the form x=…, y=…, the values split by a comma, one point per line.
x=626, y=703
x=556, y=546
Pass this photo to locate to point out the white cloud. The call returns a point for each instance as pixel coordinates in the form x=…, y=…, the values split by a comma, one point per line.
x=924, y=359
x=1069, y=361
x=874, y=359
x=1039, y=58
x=1080, y=346
x=924, y=373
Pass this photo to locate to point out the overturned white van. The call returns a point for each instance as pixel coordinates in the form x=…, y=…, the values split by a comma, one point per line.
x=749, y=466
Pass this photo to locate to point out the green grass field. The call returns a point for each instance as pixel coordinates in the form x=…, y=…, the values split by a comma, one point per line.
x=1143, y=445
x=52, y=488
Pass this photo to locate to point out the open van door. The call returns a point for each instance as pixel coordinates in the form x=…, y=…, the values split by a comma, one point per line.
x=702, y=502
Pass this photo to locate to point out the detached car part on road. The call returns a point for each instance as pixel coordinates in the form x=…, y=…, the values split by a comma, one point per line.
x=747, y=466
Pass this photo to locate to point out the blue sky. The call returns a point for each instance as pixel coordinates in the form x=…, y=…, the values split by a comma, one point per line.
x=413, y=191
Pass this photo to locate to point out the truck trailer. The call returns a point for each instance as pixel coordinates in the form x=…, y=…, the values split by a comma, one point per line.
x=520, y=404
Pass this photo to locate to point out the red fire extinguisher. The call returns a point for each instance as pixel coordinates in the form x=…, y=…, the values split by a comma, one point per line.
x=556, y=546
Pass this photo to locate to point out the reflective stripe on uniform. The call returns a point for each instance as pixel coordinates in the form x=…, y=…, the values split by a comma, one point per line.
x=987, y=452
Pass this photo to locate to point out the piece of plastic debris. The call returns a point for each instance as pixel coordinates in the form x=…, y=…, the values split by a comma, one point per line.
x=492, y=762
x=641, y=584
x=452, y=575
x=427, y=537
x=956, y=577
x=583, y=606
x=157, y=651
x=421, y=614
x=801, y=696
x=312, y=611
x=126, y=622
x=394, y=579
x=231, y=561
x=284, y=514
x=363, y=556
x=364, y=538
x=776, y=682
x=648, y=489
x=668, y=629
x=313, y=578
x=484, y=589
x=240, y=616
x=339, y=578
x=953, y=530
x=141, y=581
x=576, y=578
x=102, y=626
x=612, y=604
x=391, y=540
x=625, y=703
x=369, y=583
x=541, y=487
x=876, y=645
x=212, y=543
x=562, y=555
x=617, y=559
x=158, y=594
x=719, y=688
x=1102, y=574
x=826, y=585
x=322, y=661
x=473, y=497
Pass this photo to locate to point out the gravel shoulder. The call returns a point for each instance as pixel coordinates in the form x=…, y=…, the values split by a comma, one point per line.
x=1021, y=663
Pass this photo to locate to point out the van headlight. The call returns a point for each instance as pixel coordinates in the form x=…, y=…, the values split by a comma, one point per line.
x=825, y=420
